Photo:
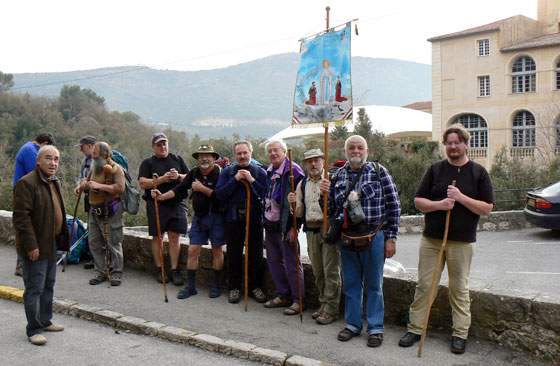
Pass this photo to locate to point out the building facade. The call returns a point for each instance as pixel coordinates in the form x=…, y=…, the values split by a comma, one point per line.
x=502, y=82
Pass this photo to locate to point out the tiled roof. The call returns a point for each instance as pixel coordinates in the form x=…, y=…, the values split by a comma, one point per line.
x=541, y=41
x=481, y=29
x=419, y=105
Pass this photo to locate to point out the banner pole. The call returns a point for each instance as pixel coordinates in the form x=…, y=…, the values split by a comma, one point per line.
x=326, y=164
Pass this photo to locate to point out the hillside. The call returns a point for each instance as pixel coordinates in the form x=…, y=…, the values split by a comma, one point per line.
x=252, y=98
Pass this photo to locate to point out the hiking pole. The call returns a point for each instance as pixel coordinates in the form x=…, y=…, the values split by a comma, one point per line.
x=247, y=219
x=435, y=278
x=298, y=263
x=107, y=169
x=72, y=231
x=154, y=183
x=81, y=239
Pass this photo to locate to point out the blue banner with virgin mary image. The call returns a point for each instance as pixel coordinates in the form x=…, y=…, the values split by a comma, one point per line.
x=323, y=90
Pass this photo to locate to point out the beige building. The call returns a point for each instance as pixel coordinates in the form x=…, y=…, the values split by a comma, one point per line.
x=502, y=82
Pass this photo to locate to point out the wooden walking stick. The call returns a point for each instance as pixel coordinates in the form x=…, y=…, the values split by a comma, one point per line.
x=247, y=219
x=107, y=169
x=154, y=183
x=72, y=231
x=435, y=278
x=292, y=181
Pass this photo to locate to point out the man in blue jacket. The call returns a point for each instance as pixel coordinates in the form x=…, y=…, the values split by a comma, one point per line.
x=233, y=193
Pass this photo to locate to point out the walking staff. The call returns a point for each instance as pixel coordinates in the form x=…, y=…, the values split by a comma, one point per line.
x=247, y=221
x=154, y=177
x=435, y=278
x=296, y=241
x=107, y=169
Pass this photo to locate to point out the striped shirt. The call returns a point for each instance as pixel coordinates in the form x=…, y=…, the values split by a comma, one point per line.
x=374, y=204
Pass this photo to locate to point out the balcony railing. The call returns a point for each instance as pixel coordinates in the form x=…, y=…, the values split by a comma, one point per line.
x=522, y=152
x=477, y=153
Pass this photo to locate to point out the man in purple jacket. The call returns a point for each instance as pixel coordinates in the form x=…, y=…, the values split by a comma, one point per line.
x=280, y=234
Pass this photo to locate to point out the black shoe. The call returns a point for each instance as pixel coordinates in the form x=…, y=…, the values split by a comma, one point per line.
x=88, y=265
x=409, y=339
x=458, y=345
x=214, y=292
x=19, y=272
x=159, y=276
x=97, y=279
x=187, y=292
x=175, y=277
x=375, y=340
x=346, y=335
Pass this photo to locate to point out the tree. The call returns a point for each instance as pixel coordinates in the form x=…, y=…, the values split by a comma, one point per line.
x=339, y=133
x=364, y=127
x=6, y=81
x=74, y=100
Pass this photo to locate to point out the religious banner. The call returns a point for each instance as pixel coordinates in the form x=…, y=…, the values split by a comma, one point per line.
x=323, y=90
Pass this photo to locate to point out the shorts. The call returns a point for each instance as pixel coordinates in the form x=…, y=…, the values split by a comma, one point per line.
x=171, y=218
x=206, y=227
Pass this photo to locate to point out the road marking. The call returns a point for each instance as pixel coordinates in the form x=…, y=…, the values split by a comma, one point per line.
x=534, y=273
x=535, y=243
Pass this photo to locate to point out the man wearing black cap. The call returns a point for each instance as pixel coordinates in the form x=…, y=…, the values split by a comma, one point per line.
x=86, y=147
x=171, y=170
x=208, y=222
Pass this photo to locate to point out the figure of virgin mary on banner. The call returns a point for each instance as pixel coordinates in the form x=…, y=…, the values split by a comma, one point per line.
x=323, y=90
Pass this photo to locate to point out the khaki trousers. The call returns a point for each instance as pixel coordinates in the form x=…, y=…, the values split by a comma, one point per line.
x=458, y=256
x=325, y=260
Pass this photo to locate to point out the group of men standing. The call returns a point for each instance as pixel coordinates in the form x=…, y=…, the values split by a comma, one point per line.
x=361, y=195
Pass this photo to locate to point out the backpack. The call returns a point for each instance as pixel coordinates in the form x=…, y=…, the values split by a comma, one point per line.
x=131, y=195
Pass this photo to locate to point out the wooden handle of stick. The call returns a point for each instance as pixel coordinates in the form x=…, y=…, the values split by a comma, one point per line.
x=292, y=181
x=160, y=240
x=435, y=278
x=247, y=221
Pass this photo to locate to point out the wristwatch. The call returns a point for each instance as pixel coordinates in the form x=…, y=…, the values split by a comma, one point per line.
x=393, y=239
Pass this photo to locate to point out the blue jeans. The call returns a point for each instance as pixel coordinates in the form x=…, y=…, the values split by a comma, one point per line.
x=38, y=278
x=358, y=267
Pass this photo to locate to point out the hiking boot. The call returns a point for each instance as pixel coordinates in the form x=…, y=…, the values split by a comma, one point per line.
x=19, y=272
x=116, y=279
x=258, y=295
x=89, y=265
x=38, y=339
x=317, y=313
x=187, y=292
x=214, y=292
x=326, y=318
x=159, y=276
x=278, y=302
x=98, y=278
x=409, y=339
x=175, y=277
x=54, y=328
x=375, y=340
x=345, y=335
x=458, y=345
x=293, y=309
x=233, y=297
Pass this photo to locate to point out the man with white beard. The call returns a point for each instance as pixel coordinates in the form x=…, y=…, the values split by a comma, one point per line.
x=366, y=198
x=104, y=186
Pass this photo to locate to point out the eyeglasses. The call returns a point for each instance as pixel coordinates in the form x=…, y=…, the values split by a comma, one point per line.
x=451, y=144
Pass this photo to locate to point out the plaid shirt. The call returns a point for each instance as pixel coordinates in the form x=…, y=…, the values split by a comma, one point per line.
x=374, y=205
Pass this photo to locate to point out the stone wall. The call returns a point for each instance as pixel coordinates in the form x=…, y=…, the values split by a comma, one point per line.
x=518, y=321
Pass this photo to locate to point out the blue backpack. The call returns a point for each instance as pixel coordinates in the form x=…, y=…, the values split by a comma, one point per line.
x=131, y=195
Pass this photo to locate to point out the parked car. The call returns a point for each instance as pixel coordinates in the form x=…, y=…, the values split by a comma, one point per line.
x=543, y=206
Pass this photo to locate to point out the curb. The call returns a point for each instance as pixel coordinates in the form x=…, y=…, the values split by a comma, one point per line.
x=140, y=326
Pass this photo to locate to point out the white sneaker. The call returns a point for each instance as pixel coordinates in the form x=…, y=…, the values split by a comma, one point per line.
x=38, y=339
x=54, y=328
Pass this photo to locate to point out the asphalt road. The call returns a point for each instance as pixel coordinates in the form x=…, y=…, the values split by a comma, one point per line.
x=141, y=296
x=92, y=344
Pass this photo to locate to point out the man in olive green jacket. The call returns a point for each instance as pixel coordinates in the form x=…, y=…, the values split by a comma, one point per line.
x=39, y=220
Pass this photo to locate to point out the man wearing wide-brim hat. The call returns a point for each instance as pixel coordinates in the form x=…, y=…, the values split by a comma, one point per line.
x=325, y=258
x=171, y=169
x=208, y=222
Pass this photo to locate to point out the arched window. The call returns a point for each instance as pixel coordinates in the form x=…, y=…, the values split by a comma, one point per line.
x=523, y=129
x=477, y=127
x=558, y=75
x=524, y=76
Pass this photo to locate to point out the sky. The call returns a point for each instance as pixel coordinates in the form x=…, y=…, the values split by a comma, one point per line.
x=188, y=35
